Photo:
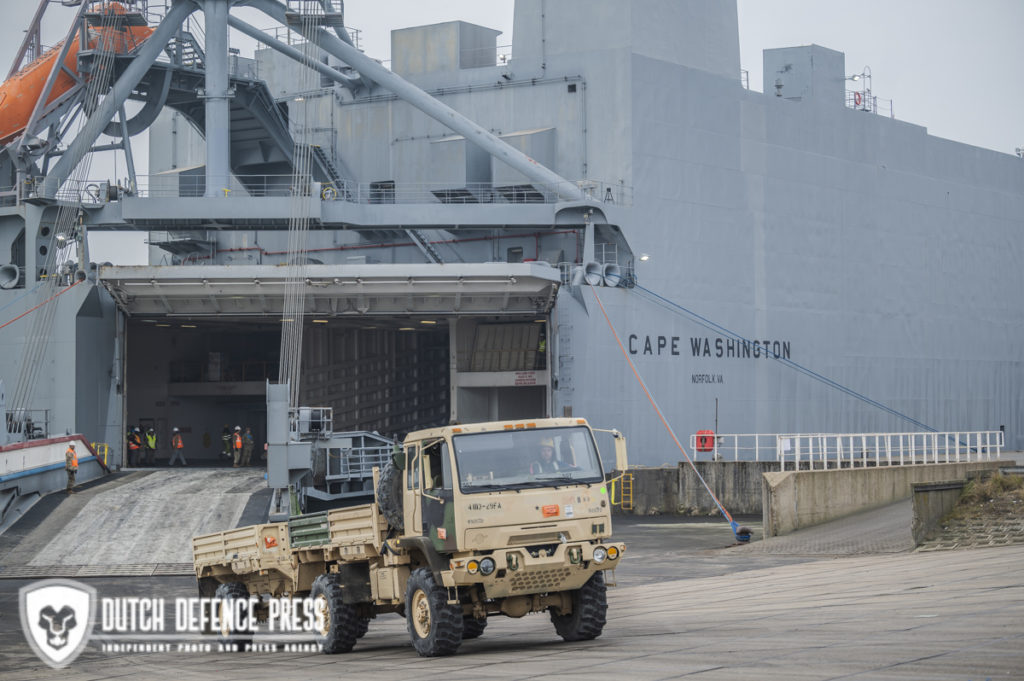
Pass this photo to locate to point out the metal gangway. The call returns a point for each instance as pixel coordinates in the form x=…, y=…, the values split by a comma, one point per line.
x=851, y=450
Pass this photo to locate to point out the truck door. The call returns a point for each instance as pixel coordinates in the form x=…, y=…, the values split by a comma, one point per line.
x=438, y=511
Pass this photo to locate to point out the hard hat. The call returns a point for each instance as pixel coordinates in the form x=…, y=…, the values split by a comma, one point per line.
x=136, y=429
x=174, y=430
x=238, y=427
x=547, y=442
x=72, y=445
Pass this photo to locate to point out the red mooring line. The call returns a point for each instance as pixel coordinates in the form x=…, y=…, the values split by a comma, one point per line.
x=27, y=312
x=657, y=409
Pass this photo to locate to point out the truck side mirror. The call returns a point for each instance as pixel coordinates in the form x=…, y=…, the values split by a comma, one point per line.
x=621, y=461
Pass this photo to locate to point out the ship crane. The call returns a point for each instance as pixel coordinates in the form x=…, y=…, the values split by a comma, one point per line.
x=42, y=97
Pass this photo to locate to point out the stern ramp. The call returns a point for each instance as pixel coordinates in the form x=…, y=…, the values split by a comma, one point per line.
x=139, y=524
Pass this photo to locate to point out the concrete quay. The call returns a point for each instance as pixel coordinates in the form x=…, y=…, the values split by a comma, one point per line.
x=688, y=605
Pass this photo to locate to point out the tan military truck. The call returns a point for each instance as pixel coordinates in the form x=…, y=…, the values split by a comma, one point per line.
x=470, y=521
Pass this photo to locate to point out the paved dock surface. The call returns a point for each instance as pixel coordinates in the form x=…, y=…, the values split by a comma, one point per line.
x=839, y=602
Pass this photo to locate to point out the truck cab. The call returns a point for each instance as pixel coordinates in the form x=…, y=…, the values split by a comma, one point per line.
x=518, y=513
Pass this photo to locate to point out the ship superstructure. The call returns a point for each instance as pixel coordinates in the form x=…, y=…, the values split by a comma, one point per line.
x=463, y=210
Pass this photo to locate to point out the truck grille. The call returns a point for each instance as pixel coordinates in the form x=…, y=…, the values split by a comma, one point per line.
x=537, y=538
x=540, y=580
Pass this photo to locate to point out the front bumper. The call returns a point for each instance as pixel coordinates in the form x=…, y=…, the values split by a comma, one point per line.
x=518, y=571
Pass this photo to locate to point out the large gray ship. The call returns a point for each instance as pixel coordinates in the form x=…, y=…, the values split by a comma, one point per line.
x=475, y=232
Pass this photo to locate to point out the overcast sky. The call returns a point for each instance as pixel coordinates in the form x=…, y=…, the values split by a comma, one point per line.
x=949, y=65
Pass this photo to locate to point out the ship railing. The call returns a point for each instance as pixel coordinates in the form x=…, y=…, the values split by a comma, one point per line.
x=803, y=451
x=356, y=464
x=182, y=185
x=852, y=450
x=733, y=447
x=289, y=36
x=865, y=101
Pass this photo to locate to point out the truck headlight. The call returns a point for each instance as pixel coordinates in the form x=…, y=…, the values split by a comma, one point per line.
x=600, y=554
x=472, y=567
x=486, y=566
x=613, y=553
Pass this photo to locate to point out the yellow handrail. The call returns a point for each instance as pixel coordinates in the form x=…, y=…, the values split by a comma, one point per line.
x=101, y=448
x=623, y=496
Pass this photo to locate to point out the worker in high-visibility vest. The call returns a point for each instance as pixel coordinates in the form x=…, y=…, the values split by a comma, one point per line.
x=150, y=456
x=225, y=436
x=236, y=445
x=71, y=466
x=177, y=447
x=134, y=446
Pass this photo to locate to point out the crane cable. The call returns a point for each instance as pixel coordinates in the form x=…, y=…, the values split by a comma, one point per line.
x=33, y=309
x=742, y=534
x=293, y=308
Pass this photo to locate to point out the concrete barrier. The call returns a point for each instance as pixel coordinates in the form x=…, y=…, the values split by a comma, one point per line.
x=678, y=490
x=798, y=499
x=933, y=500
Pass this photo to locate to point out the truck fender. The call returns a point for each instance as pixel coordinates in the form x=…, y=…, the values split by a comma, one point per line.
x=435, y=560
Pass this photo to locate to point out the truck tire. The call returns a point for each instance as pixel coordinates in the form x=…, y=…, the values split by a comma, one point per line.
x=362, y=627
x=589, y=610
x=472, y=627
x=338, y=630
x=389, y=495
x=227, y=594
x=434, y=625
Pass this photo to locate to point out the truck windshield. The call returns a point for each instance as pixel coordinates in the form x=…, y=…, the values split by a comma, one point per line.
x=548, y=457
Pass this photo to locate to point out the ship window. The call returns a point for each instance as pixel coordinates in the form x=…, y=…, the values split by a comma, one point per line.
x=572, y=87
x=515, y=254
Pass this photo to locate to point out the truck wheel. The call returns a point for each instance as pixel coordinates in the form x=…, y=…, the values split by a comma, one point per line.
x=338, y=627
x=227, y=595
x=435, y=627
x=389, y=495
x=589, y=608
x=362, y=627
x=473, y=628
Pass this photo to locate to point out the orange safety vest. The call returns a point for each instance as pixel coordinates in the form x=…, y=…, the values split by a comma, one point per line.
x=133, y=441
x=238, y=441
x=176, y=441
x=74, y=457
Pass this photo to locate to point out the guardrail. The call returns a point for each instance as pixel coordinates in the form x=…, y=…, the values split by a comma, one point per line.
x=373, y=193
x=734, y=446
x=888, y=449
x=865, y=101
x=850, y=450
x=171, y=185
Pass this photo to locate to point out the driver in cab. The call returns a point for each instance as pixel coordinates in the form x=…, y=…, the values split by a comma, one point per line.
x=545, y=462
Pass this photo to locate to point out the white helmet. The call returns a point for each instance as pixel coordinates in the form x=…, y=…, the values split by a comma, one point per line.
x=238, y=427
x=174, y=430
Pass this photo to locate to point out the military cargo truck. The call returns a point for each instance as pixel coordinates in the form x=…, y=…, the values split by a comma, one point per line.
x=469, y=522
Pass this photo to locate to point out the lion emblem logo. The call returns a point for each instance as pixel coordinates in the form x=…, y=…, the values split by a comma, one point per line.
x=57, y=616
